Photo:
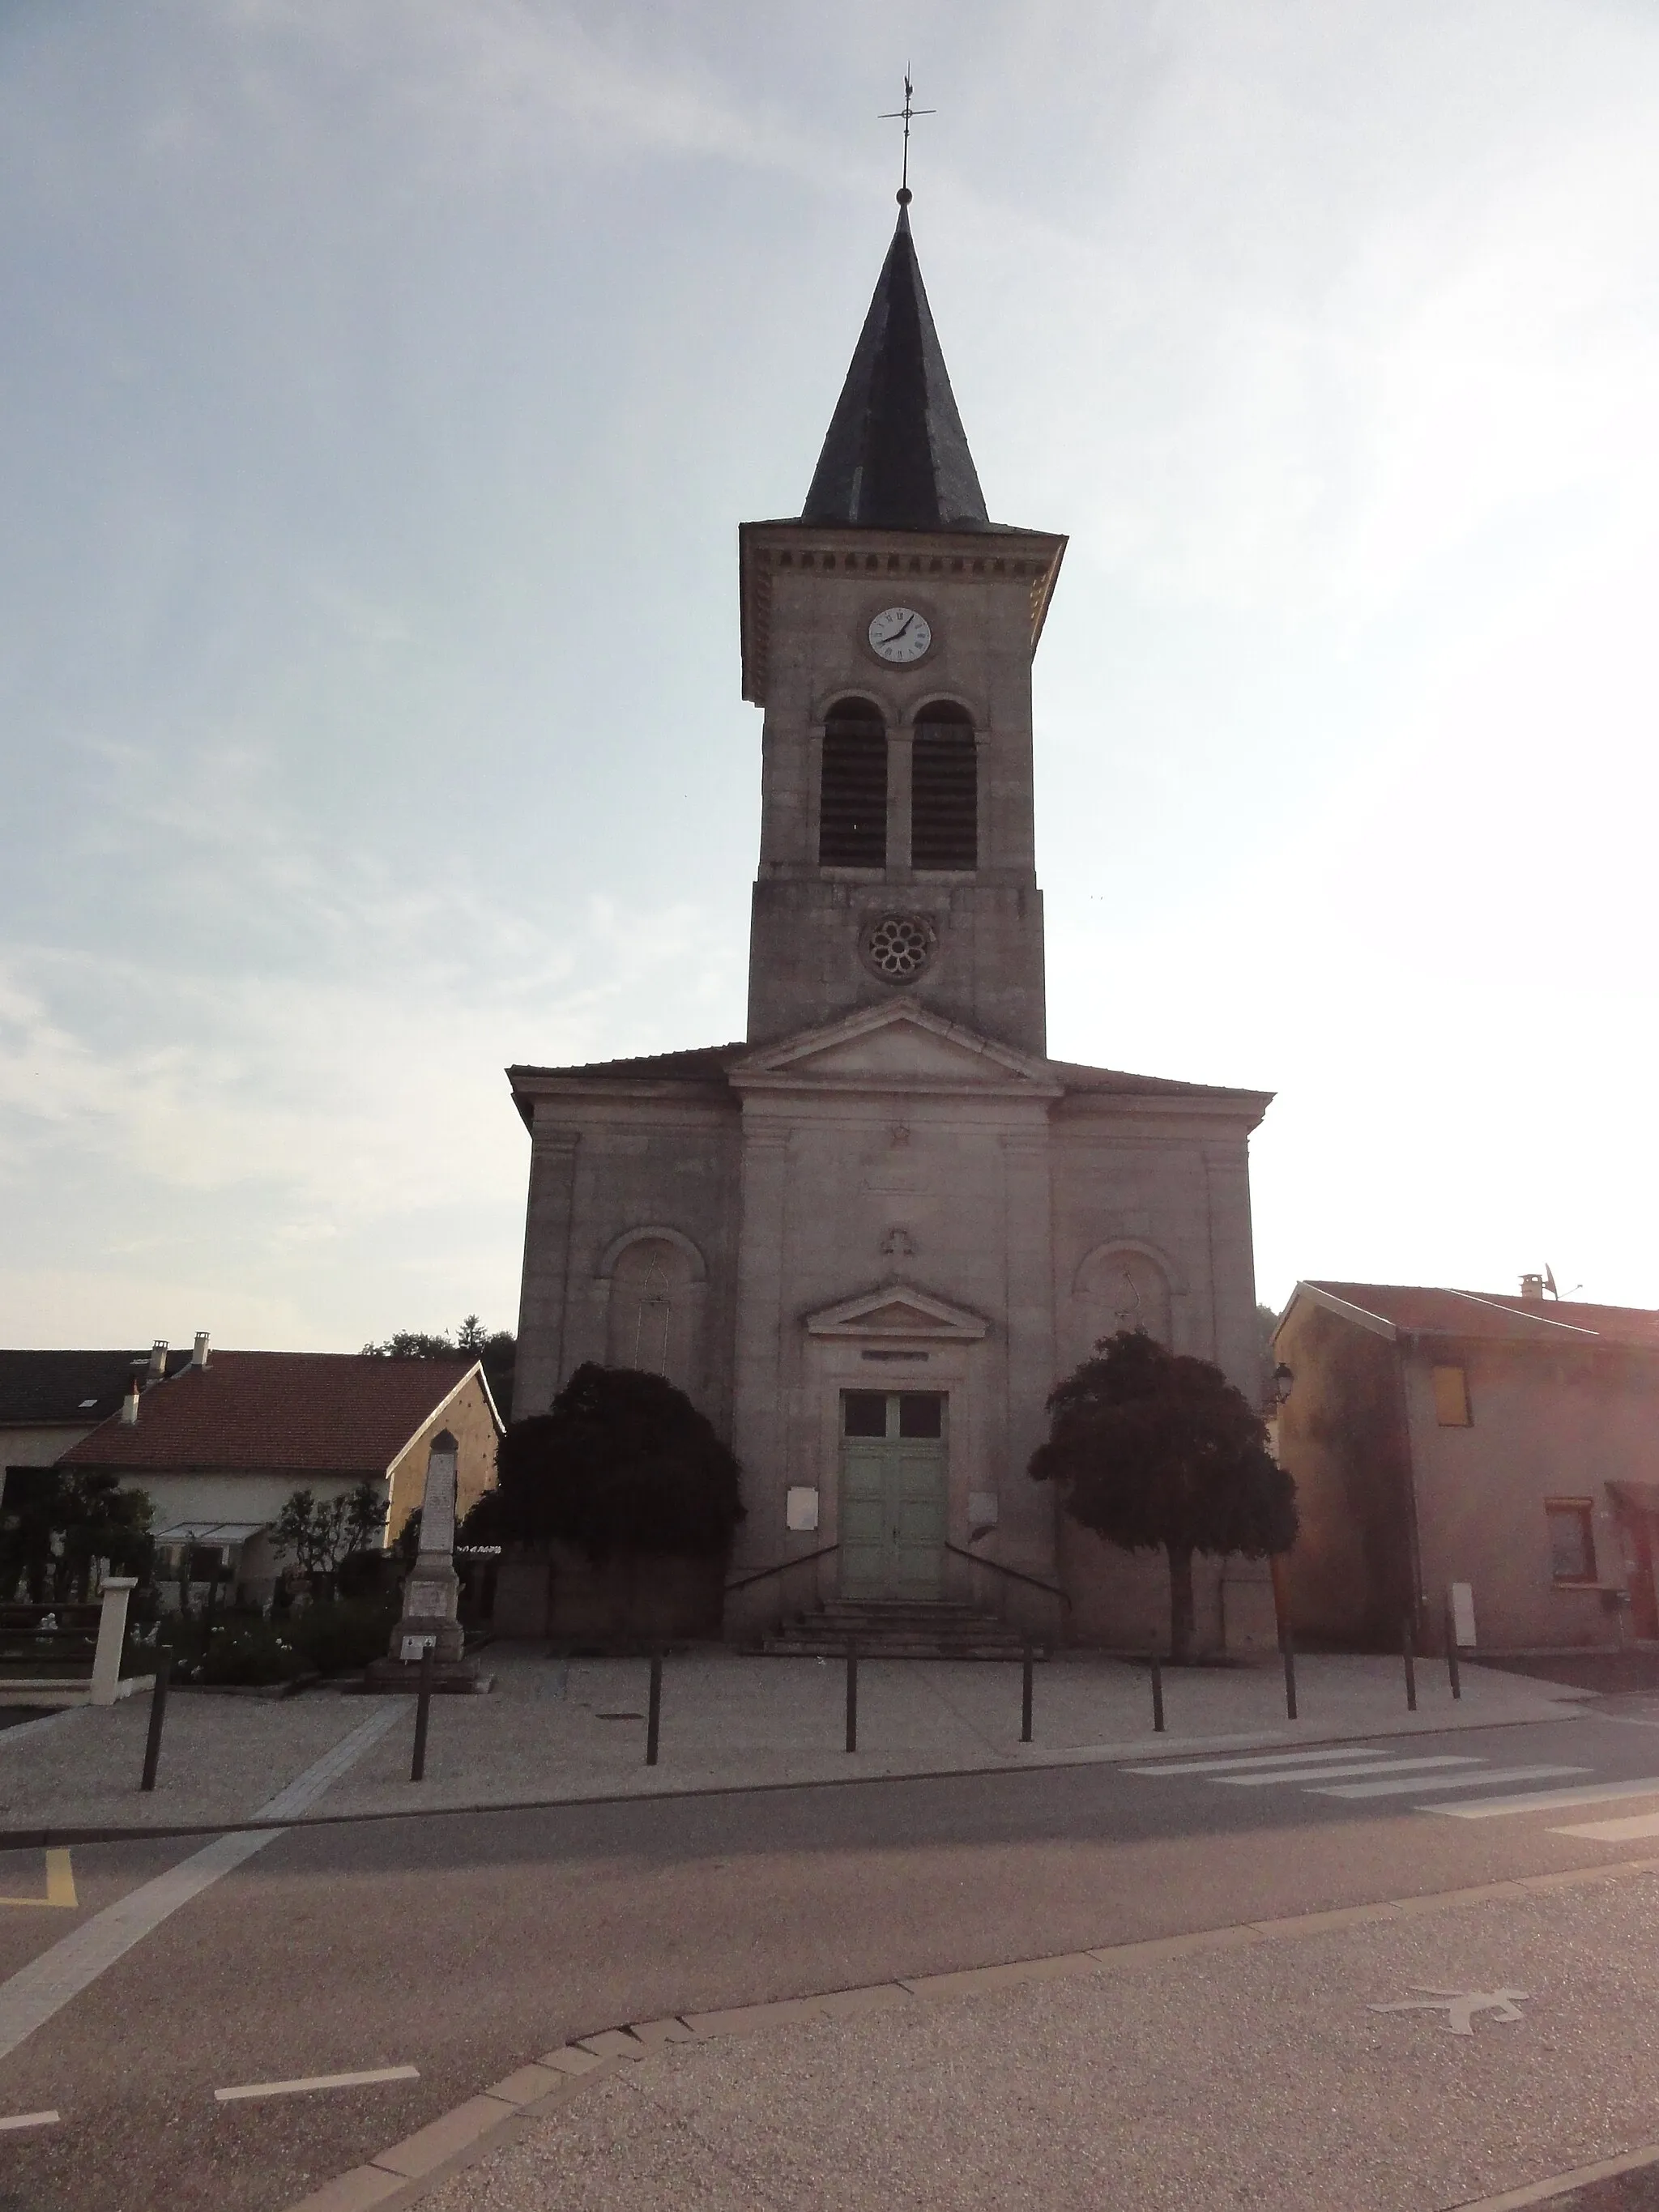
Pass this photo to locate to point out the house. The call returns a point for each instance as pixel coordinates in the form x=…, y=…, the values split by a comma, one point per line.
x=222, y=1444
x=1442, y=1436
x=869, y=1237
x=49, y=1399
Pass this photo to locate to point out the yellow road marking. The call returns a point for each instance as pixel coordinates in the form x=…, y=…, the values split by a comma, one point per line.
x=60, y=1884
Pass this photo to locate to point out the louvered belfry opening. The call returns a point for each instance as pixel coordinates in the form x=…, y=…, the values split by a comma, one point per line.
x=853, y=797
x=943, y=789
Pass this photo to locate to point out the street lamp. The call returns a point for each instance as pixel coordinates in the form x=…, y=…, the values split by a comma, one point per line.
x=1284, y=1381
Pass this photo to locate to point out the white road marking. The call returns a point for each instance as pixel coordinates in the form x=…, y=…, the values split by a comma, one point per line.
x=316, y=2082
x=1256, y=1758
x=1460, y=2006
x=1547, y=1801
x=45, y=1985
x=1479, y=1781
x=1629, y=1830
x=1327, y=1773
x=31, y=2120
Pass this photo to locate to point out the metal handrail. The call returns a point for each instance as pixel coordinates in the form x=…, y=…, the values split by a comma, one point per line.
x=778, y=1565
x=1014, y=1573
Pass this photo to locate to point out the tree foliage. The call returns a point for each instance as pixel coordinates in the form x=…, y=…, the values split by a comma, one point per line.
x=319, y=1534
x=623, y=1464
x=1156, y=1450
x=58, y=1521
x=495, y=1349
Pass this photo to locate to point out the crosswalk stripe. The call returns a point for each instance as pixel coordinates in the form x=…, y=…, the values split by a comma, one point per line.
x=1547, y=1801
x=1256, y=1758
x=1480, y=1780
x=1631, y=1828
x=1381, y=1766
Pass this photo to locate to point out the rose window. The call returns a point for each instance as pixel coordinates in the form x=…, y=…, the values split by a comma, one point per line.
x=899, y=946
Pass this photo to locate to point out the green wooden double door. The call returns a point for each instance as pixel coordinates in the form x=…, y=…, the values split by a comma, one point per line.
x=892, y=1494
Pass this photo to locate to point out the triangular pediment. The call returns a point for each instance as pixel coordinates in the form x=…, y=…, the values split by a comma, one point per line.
x=898, y=1309
x=900, y=1045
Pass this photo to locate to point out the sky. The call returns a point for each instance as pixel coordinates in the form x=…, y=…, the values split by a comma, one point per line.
x=382, y=383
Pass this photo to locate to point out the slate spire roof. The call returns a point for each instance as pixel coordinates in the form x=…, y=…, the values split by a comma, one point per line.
x=897, y=456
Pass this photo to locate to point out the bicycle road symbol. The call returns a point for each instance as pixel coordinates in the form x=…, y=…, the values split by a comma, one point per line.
x=1460, y=2006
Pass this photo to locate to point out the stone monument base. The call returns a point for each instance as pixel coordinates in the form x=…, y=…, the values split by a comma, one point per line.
x=450, y=1677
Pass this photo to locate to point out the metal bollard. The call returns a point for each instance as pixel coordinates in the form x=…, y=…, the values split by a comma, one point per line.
x=1025, y=1695
x=852, y=1696
x=1287, y=1645
x=422, y=1710
x=1157, y=1695
x=158, y=1713
x=653, y=1710
x=1452, y=1668
x=1411, y=1664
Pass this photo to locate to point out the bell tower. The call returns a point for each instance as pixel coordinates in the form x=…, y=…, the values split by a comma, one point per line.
x=888, y=635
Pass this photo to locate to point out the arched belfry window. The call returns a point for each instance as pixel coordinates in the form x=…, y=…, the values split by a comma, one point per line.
x=853, y=793
x=944, y=789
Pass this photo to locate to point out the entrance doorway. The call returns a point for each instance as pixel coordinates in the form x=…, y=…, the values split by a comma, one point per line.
x=892, y=1494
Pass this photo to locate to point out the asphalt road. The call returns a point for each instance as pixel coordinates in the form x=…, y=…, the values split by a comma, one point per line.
x=466, y=1944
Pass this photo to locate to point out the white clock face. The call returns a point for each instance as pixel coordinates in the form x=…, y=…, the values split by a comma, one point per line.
x=900, y=634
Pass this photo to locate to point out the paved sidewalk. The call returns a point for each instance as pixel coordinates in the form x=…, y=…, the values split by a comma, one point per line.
x=557, y=1731
x=1250, y=2074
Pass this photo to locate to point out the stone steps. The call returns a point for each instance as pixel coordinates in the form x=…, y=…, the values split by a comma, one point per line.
x=893, y=1630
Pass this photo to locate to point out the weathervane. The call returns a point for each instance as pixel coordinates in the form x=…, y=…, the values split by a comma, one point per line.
x=903, y=114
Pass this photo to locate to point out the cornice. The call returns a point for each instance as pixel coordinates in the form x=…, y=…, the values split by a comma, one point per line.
x=1027, y=559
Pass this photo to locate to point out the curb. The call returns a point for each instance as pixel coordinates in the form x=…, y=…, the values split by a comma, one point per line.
x=406, y=2172
x=1027, y=1759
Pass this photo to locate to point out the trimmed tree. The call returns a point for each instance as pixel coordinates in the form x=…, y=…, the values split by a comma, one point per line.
x=320, y=1534
x=624, y=1465
x=1155, y=1450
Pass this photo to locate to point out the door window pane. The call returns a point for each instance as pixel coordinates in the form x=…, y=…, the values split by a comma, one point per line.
x=863, y=1414
x=921, y=1413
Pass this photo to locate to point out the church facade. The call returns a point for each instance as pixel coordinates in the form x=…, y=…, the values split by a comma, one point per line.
x=868, y=1239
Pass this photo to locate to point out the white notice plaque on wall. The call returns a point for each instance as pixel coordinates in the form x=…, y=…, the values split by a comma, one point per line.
x=800, y=1508
x=1462, y=1613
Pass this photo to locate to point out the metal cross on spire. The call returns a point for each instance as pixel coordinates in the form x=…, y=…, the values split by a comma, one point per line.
x=904, y=114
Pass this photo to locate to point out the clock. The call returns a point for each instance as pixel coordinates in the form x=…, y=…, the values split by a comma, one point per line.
x=900, y=634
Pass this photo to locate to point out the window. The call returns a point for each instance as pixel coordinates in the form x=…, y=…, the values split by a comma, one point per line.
x=650, y=1318
x=853, y=791
x=921, y=1413
x=863, y=1414
x=1572, y=1541
x=913, y=1413
x=943, y=789
x=1451, y=1398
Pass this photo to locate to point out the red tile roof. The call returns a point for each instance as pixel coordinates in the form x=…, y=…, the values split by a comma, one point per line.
x=292, y=1413
x=1494, y=1314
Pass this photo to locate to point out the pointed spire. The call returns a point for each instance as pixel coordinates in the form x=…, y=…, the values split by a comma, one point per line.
x=897, y=456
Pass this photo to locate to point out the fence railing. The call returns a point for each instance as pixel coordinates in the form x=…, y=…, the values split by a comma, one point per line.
x=778, y=1571
x=1017, y=1575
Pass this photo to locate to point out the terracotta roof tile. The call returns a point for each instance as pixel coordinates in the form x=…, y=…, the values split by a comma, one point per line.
x=298, y=1412
x=1495, y=1313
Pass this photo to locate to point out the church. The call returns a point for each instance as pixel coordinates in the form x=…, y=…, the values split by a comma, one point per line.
x=869, y=1238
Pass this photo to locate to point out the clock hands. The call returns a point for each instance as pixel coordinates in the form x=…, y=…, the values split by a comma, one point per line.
x=899, y=632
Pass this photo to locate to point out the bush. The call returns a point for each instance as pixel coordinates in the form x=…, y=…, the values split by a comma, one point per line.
x=242, y=1648
x=336, y=1638
x=237, y=1648
x=624, y=1465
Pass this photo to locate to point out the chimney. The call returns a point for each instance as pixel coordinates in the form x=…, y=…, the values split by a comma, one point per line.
x=1532, y=1289
x=130, y=1406
x=157, y=1369
x=199, y=1357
